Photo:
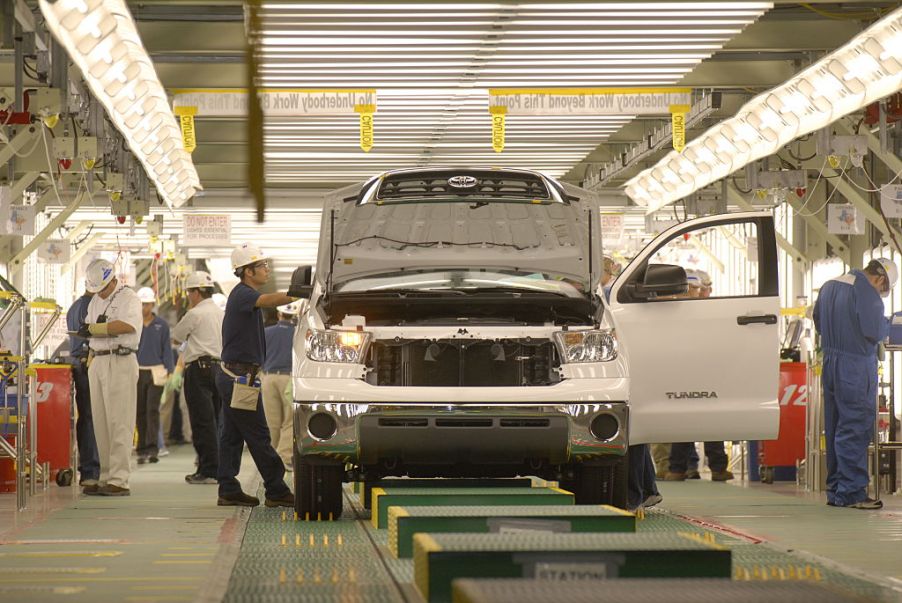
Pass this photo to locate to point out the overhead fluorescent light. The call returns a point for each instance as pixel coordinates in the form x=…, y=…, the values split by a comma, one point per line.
x=101, y=39
x=865, y=70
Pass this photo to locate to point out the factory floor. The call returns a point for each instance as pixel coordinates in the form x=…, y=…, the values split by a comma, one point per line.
x=169, y=541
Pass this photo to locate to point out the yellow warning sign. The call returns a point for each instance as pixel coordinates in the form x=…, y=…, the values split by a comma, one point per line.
x=498, y=116
x=186, y=122
x=678, y=126
x=366, y=126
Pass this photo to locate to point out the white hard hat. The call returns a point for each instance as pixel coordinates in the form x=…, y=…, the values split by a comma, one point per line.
x=98, y=275
x=147, y=296
x=293, y=308
x=892, y=272
x=199, y=280
x=246, y=254
x=704, y=277
x=220, y=300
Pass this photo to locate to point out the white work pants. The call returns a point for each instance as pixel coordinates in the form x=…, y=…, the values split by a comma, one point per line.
x=114, y=392
x=277, y=407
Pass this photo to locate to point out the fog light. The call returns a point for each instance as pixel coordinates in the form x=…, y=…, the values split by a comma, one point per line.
x=604, y=427
x=322, y=426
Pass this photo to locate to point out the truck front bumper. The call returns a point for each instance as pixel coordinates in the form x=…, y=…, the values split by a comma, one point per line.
x=367, y=433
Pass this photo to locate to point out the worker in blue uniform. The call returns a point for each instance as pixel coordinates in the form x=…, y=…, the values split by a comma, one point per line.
x=155, y=364
x=849, y=317
x=243, y=353
x=88, y=461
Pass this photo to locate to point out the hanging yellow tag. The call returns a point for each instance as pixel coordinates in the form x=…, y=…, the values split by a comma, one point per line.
x=186, y=121
x=678, y=126
x=366, y=125
x=498, y=116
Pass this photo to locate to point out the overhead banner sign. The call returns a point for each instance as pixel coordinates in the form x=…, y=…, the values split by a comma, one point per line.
x=289, y=102
x=207, y=230
x=54, y=251
x=590, y=101
x=278, y=103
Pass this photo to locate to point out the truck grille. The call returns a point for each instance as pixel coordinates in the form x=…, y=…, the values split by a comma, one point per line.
x=463, y=363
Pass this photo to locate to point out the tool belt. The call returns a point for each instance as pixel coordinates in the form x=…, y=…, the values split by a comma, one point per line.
x=242, y=368
x=120, y=351
x=205, y=362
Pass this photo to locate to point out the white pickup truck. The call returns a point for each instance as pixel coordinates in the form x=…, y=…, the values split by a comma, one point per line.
x=457, y=327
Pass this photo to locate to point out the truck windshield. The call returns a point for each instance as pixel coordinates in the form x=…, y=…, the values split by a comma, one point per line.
x=465, y=281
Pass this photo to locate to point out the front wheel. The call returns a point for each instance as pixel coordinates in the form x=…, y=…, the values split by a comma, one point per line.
x=317, y=487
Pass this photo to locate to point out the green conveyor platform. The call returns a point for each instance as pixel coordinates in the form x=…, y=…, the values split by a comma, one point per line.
x=432, y=497
x=404, y=522
x=441, y=558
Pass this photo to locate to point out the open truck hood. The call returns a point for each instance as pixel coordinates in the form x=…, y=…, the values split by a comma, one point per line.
x=459, y=217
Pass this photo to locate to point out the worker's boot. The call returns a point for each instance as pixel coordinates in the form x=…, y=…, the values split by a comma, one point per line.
x=112, y=490
x=280, y=501
x=721, y=476
x=868, y=504
x=239, y=499
x=693, y=474
x=673, y=476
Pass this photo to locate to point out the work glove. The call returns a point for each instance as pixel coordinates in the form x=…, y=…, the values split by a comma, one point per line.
x=175, y=381
x=94, y=329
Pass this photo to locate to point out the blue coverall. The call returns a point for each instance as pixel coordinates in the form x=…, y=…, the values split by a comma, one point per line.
x=849, y=317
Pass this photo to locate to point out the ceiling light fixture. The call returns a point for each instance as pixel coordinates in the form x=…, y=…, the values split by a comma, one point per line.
x=865, y=70
x=101, y=39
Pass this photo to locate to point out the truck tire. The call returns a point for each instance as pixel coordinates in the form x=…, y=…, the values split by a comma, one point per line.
x=599, y=484
x=317, y=488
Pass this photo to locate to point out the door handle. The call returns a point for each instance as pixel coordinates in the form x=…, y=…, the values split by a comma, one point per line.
x=768, y=319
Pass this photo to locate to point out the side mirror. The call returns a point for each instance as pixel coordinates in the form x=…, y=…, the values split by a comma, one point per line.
x=301, y=282
x=662, y=280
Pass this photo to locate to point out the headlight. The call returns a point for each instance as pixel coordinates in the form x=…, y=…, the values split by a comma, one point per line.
x=586, y=346
x=336, y=346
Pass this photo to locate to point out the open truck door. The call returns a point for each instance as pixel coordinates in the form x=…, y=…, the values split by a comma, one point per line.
x=703, y=369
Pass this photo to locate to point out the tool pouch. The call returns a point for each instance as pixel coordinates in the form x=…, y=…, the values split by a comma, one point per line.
x=244, y=397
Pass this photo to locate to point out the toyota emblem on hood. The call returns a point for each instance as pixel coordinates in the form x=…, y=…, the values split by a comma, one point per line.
x=462, y=181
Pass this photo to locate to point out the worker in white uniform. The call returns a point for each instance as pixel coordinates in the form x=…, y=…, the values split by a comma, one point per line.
x=201, y=330
x=113, y=325
x=275, y=381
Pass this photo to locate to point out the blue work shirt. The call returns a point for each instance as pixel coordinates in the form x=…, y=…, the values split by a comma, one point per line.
x=849, y=316
x=278, y=347
x=75, y=318
x=155, y=347
x=242, y=327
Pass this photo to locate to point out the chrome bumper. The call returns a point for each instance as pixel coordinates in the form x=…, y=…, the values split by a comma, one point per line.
x=555, y=432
